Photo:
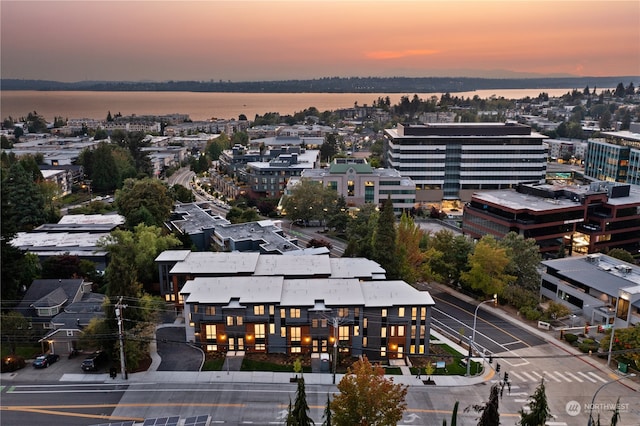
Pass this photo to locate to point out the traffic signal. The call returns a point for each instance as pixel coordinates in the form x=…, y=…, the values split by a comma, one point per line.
x=506, y=376
x=490, y=359
x=497, y=367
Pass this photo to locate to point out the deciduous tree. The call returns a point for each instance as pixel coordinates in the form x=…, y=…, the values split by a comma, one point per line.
x=487, y=267
x=524, y=258
x=144, y=201
x=367, y=398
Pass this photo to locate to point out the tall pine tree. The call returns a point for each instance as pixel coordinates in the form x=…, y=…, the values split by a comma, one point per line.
x=300, y=410
x=384, y=241
x=538, y=408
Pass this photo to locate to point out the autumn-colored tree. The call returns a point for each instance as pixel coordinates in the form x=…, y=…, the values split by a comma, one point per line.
x=408, y=242
x=367, y=398
x=487, y=267
x=623, y=340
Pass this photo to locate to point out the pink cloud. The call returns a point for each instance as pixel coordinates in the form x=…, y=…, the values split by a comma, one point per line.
x=389, y=54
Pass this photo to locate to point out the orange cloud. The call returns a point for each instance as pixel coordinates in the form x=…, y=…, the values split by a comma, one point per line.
x=389, y=54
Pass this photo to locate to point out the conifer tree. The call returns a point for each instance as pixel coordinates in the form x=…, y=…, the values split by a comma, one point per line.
x=384, y=241
x=539, y=408
x=327, y=413
x=300, y=410
x=489, y=415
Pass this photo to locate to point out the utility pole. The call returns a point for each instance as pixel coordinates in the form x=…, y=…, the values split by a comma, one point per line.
x=119, y=308
x=335, y=347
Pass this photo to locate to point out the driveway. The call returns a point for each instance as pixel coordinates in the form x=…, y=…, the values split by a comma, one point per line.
x=175, y=353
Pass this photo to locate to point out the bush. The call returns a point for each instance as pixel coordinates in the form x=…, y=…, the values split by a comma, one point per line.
x=532, y=314
x=519, y=298
x=586, y=347
x=570, y=338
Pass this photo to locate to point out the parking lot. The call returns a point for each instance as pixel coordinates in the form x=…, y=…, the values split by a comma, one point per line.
x=51, y=373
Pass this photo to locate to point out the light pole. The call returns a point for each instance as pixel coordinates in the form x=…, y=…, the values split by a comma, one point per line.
x=598, y=390
x=473, y=332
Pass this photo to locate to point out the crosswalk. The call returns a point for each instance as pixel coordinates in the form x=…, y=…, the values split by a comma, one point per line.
x=557, y=376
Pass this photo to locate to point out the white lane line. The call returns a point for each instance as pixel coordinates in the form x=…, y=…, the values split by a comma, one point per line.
x=586, y=377
x=597, y=377
x=562, y=376
x=537, y=374
x=547, y=374
x=533, y=379
x=519, y=377
x=574, y=376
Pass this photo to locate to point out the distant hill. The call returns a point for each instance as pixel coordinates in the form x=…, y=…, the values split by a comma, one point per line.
x=329, y=85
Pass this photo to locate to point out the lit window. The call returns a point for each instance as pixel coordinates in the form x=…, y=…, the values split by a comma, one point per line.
x=383, y=313
x=229, y=320
x=412, y=349
x=296, y=334
x=283, y=332
x=365, y=340
x=343, y=332
x=238, y=320
x=423, y=313
x=414, y=313
x=383, y=332
x=343, y=312
x=413, y=331
x=401, y=312
x=212, y=348
x=258, y=310
x=314, y=323
x=260, y=347
x=210, y=331
x=283, y=313
x=259, y=331
x=272, y=310
x=401, y=331
x=383, y=351
x=356, y=330
x=294, y=312
x=272, y=329
x=210, y=310
x=296, y=349
x=323, y=323
x=421, y=349
x=365, y=322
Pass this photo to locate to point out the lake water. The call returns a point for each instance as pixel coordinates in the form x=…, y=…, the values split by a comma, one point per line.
x=204, y=106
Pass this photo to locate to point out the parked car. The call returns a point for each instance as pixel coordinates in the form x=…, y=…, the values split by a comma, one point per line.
x=45, y=360
x=12, y=363
x=94, y=361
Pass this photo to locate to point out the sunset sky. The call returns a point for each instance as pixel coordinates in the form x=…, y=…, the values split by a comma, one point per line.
x=270, y=40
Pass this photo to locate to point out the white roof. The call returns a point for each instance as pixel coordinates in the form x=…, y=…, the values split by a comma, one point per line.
x=249, y=289
x=356, y=267
x=217, y=263
x=172, y=255
x=334, y=292
x=303, y=265
x=93, y=219
x=389, y=293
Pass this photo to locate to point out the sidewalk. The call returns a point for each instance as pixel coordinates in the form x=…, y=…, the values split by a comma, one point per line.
x=406, y=378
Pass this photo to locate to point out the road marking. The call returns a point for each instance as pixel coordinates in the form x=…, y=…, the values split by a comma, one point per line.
x=537, y=374
x=586, y=377
x=530, y=377
x=574, y=376
x=520, y=400
x=556, y=424
x=512, y=343
x=519, y=377
x=551, y=376
x=597, y=377
x=558, y=373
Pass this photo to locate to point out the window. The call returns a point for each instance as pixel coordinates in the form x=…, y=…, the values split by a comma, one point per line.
x=210, y=331
x=351, y=188
x=356, y=312
x=210, y=310
x=259, y=331
x=401, y=331
x=195, y=308
x=272, y=328
x=323, y=323
x=260, y=347
x=365, y=341
x=383, y=332
x=296, y=349
x=423, y=313
x=272, y=310
x=356, y=330
x=414, y=313
x=229, y=320
x=343, y=312
x=238, y=320
x=383, y=351
x=258, y=310
x=294, y=313
x=212, y=348
x=283, y=331
x=413, y=331
x=383, y=313
x=343, y=332
x=365, y=322
x=314, y=323
x=296, y=334
x=401, y=312
x=283, y=313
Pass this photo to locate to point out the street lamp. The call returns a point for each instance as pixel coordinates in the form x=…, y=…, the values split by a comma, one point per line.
x=473, y=333
x=598, y=390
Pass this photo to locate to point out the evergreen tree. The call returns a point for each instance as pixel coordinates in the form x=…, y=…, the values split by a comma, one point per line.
x=539, y=408
x=489, y=415
x=327, y=413
x=300, y=411
x=384, y=241
x=23, y=201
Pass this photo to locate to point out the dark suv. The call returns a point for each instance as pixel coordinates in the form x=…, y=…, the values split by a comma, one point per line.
x=94, y=361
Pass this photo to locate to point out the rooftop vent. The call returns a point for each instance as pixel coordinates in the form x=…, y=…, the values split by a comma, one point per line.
x=593, y=258
x=625, y=269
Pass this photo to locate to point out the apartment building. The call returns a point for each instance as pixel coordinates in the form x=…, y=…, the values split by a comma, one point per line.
x=582, y=218
x=361, y=184
x=269, y=179
x=450, y=161
x=298, y=304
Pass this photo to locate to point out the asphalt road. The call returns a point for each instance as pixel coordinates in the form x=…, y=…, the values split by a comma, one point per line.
x=492, y=332
x=174, y=351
